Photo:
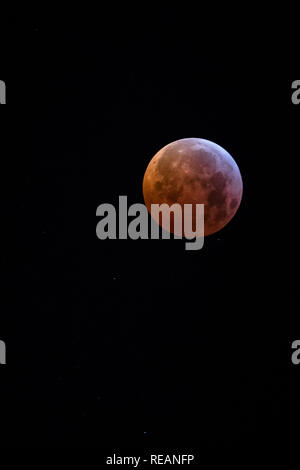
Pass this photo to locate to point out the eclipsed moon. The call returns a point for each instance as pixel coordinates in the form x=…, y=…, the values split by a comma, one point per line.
x=195, y=171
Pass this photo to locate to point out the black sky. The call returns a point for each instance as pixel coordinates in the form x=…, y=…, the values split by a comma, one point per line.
x=107, y=340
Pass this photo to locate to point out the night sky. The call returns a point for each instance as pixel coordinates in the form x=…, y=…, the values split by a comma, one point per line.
x=109, y=340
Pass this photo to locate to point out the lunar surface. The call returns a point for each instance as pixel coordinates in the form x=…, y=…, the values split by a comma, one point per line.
x=195, y=171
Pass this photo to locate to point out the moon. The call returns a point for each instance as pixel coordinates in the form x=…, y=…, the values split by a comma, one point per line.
x=195, y=171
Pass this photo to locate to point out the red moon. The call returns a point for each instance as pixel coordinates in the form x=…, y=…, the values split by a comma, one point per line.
x=195, y=171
